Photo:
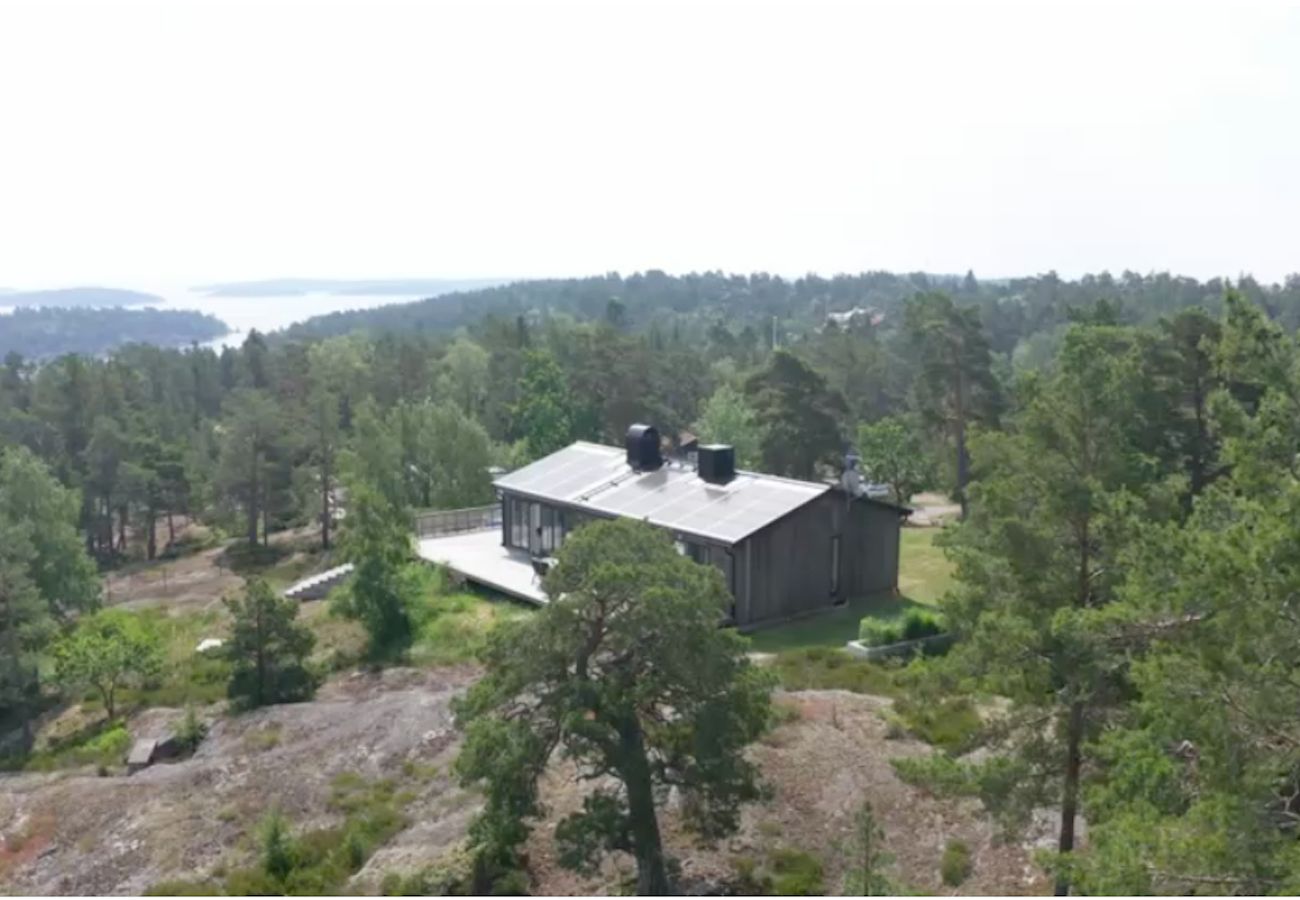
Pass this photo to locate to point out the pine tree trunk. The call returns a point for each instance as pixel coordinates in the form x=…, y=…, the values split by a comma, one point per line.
x=651, y=874
x=254, y=495
x=1070, y=794
x=151, y=523
x=325, y=511
x=963, y=458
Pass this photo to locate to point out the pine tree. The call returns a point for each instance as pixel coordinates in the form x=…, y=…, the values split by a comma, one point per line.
x=627, y=672
x=268, y=649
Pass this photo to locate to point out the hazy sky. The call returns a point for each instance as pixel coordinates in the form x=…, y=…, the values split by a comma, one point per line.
x=185, y=142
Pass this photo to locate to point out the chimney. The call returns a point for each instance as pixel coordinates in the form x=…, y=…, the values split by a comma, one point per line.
x=643, y=448
x=717, y=463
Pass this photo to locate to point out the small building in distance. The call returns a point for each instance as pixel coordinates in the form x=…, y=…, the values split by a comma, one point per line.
x=787, y=548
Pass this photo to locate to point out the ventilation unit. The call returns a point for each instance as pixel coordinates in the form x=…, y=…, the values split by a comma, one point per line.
x=717, y=463
x=643, y=448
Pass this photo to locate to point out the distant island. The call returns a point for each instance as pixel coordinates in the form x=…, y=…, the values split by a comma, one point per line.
x=66, y=298
x=395, y=287
x=46, y=332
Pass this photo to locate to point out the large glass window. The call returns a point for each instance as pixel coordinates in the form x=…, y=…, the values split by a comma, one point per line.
x=519, y=523
x=536, y=527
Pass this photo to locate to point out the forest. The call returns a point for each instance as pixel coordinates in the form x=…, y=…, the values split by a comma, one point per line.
x=1125, y=451
x=44, y=332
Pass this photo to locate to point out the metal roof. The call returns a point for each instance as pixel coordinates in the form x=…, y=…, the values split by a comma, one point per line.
x=597, y=478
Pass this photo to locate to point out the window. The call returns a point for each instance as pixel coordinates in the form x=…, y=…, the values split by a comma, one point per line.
x=518, y=524
x=835, y=565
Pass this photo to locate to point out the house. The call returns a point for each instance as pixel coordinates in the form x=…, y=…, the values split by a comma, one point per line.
x=786, y=548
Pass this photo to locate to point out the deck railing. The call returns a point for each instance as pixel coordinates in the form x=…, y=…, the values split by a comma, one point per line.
x=439, y=522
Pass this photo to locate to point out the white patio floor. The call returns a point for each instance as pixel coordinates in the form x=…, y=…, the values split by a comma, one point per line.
x=478, y=556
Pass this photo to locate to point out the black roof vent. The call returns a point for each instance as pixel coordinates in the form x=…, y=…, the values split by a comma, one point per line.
x=717, y=463
x=643, y=448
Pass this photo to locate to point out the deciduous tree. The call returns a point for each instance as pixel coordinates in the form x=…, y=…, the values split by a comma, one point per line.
x=727, y=418
x=892, y=454
x=544, y=414
x=107, y=650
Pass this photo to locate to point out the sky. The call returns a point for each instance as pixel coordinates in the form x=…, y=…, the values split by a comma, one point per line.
x=190, y=142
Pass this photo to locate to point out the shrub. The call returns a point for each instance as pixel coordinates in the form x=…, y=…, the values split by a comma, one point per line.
x=921, y=623
x=278, y=852
x=952, y=723
x=102, y=749
x=191, y=732
x=796, y=874
x=879, y=633
x=916, y=624
x=955, y=865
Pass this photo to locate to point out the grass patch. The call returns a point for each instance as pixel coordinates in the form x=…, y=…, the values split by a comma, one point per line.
x=924, y=573
x=829, y=668
x=340, y=642
x=452, y=626
x=104, y=746
x=952, y=723
x=784, y=873
x=956, y=865
x=318, y=861
x=187, y=677
x=259, y=740
x=924, y=576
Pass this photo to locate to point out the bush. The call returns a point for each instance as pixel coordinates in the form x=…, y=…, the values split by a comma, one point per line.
x=921, y=623
x=786, y=873
x=952, y=724
x=103, y=749
x=916, y=624
x=956, y=865
x=796, y=874
x=879, y=633
x=191, y=732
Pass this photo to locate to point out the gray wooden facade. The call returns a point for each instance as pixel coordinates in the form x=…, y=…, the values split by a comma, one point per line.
x=811, y=559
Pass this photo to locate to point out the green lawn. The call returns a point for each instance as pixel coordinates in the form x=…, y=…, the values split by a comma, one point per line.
x=924, y=575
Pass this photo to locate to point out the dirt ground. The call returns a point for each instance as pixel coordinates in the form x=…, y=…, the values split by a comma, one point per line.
x=933, y=509
x=820, y=768
x=78, y=833
x=196, y=582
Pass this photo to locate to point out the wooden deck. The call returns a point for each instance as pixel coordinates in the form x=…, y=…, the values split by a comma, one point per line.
x=478, y=556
